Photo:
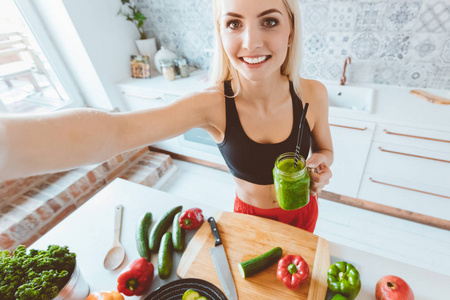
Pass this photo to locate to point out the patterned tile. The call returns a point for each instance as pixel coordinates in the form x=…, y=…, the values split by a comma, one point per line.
x=310, y=69
x=395, y=46
x=338, y=44
x=342, y=16
x=315, y=16
x=445, y=53
x=440, y=79
x=434, y=17
x=370, y=16
x=333, y=69
x=387, y=73
x=366, y=45
x=417, y=74
x=361, y=71
x=402, y=15
x=425, y=47
x=314, y=44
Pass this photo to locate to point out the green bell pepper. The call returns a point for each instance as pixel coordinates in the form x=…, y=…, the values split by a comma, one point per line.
x=343, y=278
x=339, y=297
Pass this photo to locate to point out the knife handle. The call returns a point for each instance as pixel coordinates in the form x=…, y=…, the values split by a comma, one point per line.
x=215, y=231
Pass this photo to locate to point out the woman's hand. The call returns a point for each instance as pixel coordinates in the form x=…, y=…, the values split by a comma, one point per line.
x=321, y=173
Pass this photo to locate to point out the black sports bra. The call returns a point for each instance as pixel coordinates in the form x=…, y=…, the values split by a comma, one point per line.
x=253, y=161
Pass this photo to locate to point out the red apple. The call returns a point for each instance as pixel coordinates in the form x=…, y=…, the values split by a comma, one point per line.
x=393, y=288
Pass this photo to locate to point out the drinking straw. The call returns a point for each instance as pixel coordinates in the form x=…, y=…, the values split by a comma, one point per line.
x=300, y=134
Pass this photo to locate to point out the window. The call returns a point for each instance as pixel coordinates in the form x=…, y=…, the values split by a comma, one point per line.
x=32, y=77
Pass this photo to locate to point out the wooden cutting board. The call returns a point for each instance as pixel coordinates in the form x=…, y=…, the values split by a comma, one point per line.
x=245, y=237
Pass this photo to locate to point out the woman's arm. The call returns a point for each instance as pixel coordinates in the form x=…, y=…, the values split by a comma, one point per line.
x=322, y=147
x=51, y=142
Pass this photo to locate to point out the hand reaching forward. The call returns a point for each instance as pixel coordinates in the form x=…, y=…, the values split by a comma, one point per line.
x=320, y=173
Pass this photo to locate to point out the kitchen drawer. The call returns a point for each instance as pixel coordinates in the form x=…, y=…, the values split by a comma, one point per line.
x=408, y=163
x=417, y=197
x=415, y=137
x=351, y=143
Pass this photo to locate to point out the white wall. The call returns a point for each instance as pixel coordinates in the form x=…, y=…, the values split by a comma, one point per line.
x=95, y=43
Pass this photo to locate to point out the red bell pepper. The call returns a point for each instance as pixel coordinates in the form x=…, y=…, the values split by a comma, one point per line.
x=191, y=219
x=292, y=270
x=137, y=278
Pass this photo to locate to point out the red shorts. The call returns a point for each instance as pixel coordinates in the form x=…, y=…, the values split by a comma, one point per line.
x=304, y=218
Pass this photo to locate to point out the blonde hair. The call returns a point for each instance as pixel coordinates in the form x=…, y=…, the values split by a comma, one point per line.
x=222, y=69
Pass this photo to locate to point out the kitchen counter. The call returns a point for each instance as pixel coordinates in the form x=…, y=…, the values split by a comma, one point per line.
x=89, y=233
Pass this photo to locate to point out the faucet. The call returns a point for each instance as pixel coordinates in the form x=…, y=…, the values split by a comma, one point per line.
x=348, y=60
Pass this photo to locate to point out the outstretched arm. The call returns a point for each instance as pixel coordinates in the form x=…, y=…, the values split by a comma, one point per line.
x=39, y=144
x=57, y=141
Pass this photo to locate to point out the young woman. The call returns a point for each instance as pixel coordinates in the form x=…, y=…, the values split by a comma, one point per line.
x=252, y=112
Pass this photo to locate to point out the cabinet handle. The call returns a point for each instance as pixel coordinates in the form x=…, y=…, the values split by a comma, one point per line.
x=141, y=96
x=413, y=155
x=406, y=188
x=349, y=127
x=415, y=136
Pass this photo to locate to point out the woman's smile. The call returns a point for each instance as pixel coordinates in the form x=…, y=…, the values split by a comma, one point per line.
x=255, y=61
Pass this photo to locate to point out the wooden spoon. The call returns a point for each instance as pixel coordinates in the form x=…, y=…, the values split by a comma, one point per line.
x=116, y=254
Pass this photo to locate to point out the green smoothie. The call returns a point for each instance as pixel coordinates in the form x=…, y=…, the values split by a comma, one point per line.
x=291, y=182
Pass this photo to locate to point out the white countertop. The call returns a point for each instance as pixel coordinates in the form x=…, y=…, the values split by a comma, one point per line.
x=89, y=233
x=394, y=105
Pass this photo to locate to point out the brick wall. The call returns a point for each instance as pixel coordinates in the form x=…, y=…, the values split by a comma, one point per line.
x=30, y=207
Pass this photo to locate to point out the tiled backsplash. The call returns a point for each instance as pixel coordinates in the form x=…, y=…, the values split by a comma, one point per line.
x=405, y=43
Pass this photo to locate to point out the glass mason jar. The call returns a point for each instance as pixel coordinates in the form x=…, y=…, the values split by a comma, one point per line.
x=168, y=69
x=291, y=183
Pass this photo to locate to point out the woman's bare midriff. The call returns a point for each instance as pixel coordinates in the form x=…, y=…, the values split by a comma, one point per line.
x=262, y=196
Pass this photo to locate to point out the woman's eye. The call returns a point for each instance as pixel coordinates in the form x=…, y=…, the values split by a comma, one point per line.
x=270, y=22
x=233, y=24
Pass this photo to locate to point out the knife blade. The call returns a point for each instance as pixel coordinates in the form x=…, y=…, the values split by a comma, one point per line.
x=221, y=263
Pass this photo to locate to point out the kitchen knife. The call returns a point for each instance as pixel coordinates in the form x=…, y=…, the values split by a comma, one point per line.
x=221, y=263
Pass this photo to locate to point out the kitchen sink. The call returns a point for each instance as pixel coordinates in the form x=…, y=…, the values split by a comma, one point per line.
x=346, y=98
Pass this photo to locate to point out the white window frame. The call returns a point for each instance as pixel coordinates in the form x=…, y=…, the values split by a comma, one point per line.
x=37, y=27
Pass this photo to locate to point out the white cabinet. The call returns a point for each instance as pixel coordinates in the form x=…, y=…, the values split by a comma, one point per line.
x=409, y=168
x=351, y=143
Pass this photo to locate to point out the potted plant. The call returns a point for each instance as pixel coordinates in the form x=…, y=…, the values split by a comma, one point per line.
x=133, y=14
x=146, y=46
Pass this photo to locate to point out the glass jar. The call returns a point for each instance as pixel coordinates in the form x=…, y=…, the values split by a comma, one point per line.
x=182, y=65
x=291, y=183
x=168, y=69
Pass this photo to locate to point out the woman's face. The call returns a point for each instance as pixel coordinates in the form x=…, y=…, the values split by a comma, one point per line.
x=255, y=35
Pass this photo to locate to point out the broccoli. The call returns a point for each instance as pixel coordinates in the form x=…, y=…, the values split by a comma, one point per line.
x=38, y=274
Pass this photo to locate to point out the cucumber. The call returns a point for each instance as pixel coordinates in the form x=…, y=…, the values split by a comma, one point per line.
x=142, y=236
x=161, y=227
x=165, y=256
x=178, y=234
x=190, y=295
x=251, y=267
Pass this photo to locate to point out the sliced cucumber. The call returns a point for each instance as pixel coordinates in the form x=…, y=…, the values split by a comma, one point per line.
x=142, y=235
x=161, y=227
x=178, y=234
x=255, y=265
x=191, y=295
